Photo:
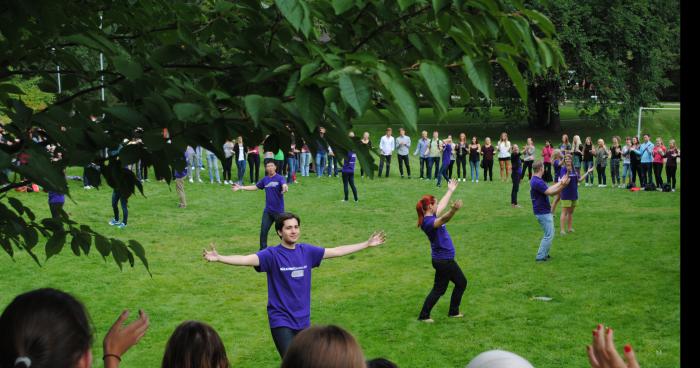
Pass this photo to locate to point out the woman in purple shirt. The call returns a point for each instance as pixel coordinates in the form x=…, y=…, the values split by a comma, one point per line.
x=288, y=267
x=569, y=195
x=442, y=250
x=349, y=175
x=446, y=158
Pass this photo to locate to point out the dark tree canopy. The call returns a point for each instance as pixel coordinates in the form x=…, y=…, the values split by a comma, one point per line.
x=204, y=71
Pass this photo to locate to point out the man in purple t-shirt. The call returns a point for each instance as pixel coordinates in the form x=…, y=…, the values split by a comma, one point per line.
x=288, y=267
x=275, y=186
x=539, y=193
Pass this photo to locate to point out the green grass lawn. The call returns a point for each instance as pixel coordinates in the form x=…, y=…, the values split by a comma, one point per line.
x=621, y=267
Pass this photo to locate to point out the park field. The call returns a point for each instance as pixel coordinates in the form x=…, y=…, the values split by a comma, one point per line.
x=621, y=267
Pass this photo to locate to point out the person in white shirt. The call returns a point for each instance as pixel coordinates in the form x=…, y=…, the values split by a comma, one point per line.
x=386, y=148
x=403, y=143
x=503, y=149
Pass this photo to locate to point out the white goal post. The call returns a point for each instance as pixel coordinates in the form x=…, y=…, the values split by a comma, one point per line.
x=641, y=108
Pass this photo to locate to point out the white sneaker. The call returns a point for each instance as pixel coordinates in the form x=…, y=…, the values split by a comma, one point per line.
x=673, y=190
x=200, y=180
x=191, y=181
x=477, y=180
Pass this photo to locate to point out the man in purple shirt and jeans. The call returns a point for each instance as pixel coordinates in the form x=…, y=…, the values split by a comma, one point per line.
x=288, y=267
x=539, y=193
x=275, y=186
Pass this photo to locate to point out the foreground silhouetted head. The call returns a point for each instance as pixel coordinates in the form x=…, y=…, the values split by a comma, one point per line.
x=324, y=347
x=195, y=345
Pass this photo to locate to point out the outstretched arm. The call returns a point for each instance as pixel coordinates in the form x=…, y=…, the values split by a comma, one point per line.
x=213, y=256
x=237, y=187
x=378, y=237
x=558, y=187
x=451, y=186
x=446, y=217
x=583, y=177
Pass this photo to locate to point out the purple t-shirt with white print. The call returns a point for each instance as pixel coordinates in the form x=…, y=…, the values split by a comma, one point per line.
x=274, y=199
x=540, y=201
x=441, y=247
x=570, y=192
x=349, y=166
x=289, y=283
x=446, y=155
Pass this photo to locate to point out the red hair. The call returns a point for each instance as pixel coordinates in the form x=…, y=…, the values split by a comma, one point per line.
x=422, y=206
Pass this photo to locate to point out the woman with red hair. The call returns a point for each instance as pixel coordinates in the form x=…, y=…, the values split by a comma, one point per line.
x=432, y=222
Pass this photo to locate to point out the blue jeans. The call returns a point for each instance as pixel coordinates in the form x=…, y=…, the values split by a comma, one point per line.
x=320, y=163
x=305, y=162
x=332, y=167
x=292, y=162
x=474, y=169
x=240, y=166
x=625, y=170
x=587, y=165
x=212, y=163
x=198, y=156
x=433, y=161
x=192, y=163
x=443, y=174
x=118, y=198
x=547, y=224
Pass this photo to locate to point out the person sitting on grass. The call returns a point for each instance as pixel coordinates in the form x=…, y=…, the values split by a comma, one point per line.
x=288, y=267
x=48, y=328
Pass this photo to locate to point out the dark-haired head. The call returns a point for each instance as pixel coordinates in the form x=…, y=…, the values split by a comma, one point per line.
x=282, y=217
x=381, y=363
x=45, y=328
x=195, y=345
x=324, y=347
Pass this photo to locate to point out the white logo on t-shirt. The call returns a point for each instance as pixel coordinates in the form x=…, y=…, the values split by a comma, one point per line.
x=298, y=273
x=272, y=184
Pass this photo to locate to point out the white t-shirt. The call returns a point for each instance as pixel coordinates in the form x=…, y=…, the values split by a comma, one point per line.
x=386, y=145
x=503, y=149
x=241, y=155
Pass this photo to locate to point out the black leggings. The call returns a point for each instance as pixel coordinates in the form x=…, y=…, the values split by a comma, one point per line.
x=601, y=174
x=254, y=164
x=658, y=167
x=403, y=159
x=547, y=172
x=515, y=176
x=283, y=336
x=57, y=208
x=449, y=168
x=671, y=175
x=634, y=167
x=462, y=167
x=527, y=165
x=228, y=162
x=488, y=169
x=445, y=271
x=349, y=178
x=645, y=177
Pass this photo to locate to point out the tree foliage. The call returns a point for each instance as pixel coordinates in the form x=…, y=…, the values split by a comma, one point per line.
x=209, y=70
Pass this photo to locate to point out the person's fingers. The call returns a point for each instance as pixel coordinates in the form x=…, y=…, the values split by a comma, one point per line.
x=591, y=357
x=599, y=344
x=614, y=358
x=631, y=358
x=120, y=320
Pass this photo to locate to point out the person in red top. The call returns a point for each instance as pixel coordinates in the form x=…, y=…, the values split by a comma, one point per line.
x=547, y=152
x=658, y=161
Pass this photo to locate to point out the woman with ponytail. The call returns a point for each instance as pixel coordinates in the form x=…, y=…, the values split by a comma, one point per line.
x=50, y=328
x=432, y=221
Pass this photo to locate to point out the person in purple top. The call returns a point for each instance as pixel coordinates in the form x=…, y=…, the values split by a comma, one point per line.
x=56, y=201
x=569, y=195
x=349, y=175
x=539, y=193
x=288, y=267
x=432, y=221
x=275, y=186
x=446, y=158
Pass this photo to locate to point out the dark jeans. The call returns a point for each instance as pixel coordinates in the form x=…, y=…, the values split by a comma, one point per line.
x=601, y=174
x=515, y=176
x=645, y=176
x=254, y=166
x=423, y=165
x=443, y=174
x=586, y=166
x=433, y=161
x=658, y=167
x=349, y=178
x=671, y=175
x=280, y=166
x=615, y=170
x=445, y=271
x=488, y=169
x=283, y=336
x=228, y=162
x=547, y=172
x=56, y=209
x=383, y=158
x=404, y=159
x=449, y=168
x=332, y=166
x=462, y=167
x=118, y=198
x=634, y=167
x=527, y=166
x=268, y=218
x=240, y=169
